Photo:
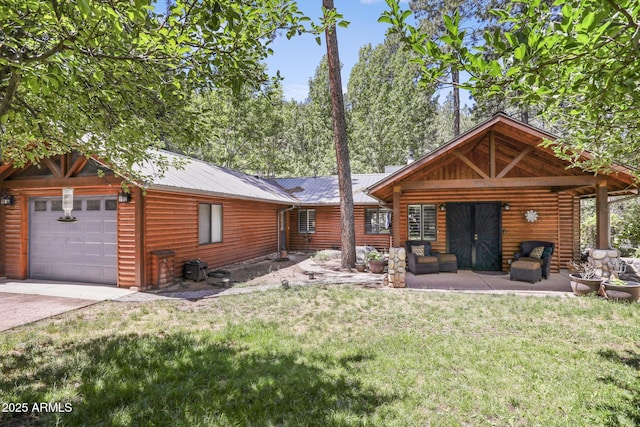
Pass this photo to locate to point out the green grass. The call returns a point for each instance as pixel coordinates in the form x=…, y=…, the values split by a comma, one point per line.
x=331, y=356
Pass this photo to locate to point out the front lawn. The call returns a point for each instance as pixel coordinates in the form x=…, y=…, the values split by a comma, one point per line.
x=329, y=356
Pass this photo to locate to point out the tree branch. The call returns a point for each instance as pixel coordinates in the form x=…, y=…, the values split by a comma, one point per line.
x=614, y=4
x=57, y=48
x=9, y=94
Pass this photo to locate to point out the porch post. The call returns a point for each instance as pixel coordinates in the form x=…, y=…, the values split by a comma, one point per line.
x=602, y=215
x=397, y=192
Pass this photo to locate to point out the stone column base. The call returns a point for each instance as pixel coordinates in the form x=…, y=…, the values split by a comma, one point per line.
x=397, y=267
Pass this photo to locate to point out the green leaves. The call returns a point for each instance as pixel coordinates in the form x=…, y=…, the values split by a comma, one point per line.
x=122, y=71
x=576, y=60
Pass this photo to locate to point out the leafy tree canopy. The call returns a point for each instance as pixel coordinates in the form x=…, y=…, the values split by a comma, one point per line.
x=578, y=61
x=111, y=78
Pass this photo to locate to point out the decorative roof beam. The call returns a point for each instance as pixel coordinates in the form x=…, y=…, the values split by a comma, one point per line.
x=9, y=172
x=4, y=168
x=492, y=154
x=85, y=181
x=515, y=161
x=529, y=182
x=53, y=167
x=469, y=163
x=76, y=167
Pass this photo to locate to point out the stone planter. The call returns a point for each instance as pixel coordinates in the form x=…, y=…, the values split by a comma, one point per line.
x=377, y=266
x=581, y=286
x=360, y=267
x=629, y=293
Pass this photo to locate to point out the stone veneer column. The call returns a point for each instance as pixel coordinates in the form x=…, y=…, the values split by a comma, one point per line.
x=397, y=267
x=605, y=261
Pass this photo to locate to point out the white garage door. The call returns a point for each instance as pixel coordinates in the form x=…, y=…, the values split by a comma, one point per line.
x=82, y=251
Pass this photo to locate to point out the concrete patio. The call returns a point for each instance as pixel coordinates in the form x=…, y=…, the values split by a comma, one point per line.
x=469, y=281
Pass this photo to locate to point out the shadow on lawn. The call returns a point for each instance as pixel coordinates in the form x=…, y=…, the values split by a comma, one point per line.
x=181, y=380
x=624, y=412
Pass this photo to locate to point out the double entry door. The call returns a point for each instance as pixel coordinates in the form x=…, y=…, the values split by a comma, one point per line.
x=474, y=235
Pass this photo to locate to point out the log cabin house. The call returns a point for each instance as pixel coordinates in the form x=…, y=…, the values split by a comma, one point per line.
x=202, y=211
x=469, y=197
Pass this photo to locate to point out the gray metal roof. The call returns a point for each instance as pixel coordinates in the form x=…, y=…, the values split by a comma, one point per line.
x=201, y=177
x=324, y=190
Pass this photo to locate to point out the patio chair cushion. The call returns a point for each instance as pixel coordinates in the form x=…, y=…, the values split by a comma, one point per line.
x=526, y=271
x=537, y=252
x=530, y=259
x=418, y=250
x=449, y=263
x=421, y=262
x=525, y=250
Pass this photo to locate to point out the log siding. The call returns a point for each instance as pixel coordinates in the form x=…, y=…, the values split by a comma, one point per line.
x=327, y=235
x=249, y=230
x=514, y=226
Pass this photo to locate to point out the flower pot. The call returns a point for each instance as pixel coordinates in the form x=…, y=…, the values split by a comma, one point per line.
x=581, y=286
x=629, y=292
x=360, y=267
x=377, y=266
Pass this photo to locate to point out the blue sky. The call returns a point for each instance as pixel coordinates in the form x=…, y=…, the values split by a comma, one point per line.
x=298, y=58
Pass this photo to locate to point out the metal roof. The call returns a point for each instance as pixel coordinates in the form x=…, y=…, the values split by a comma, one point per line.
x=324, y=190
x=197, y=176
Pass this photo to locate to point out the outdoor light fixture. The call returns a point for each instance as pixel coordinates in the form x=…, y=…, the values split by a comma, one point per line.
x=505, y=206
x=7, y=199
x=443, y=207
x=67, y=205
x=124, y=197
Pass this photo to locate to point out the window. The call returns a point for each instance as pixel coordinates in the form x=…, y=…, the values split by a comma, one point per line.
x=209, y=223
x=93, y=205
x=40, y=206
x=306, y=221
x=377, y=221
x=110, y=205
x=422, y=222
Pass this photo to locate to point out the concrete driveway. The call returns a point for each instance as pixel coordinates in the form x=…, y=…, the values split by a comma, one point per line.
x=24, y=302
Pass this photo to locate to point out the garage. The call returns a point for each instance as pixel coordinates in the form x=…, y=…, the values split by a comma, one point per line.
x=80, y=251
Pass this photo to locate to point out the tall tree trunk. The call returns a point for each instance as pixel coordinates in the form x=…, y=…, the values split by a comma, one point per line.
x=455, y=77
x=342, y=149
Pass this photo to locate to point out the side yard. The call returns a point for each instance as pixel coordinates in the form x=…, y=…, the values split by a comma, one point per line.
x=329, y=355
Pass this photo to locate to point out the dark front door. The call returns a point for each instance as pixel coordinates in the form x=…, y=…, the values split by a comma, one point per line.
x=473, y=234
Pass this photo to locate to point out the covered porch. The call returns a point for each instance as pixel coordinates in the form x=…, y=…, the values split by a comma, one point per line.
x=467, y=280
x=500, y=184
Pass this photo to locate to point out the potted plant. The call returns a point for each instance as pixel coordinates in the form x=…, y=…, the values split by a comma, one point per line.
x=621, y=290
x=376, y=262
x=584, y=279
x=360, y=264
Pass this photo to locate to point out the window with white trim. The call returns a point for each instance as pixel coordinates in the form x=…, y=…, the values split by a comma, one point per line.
x=377, y=221
x=209, y=223
x=306, y=221
x=422, y=222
